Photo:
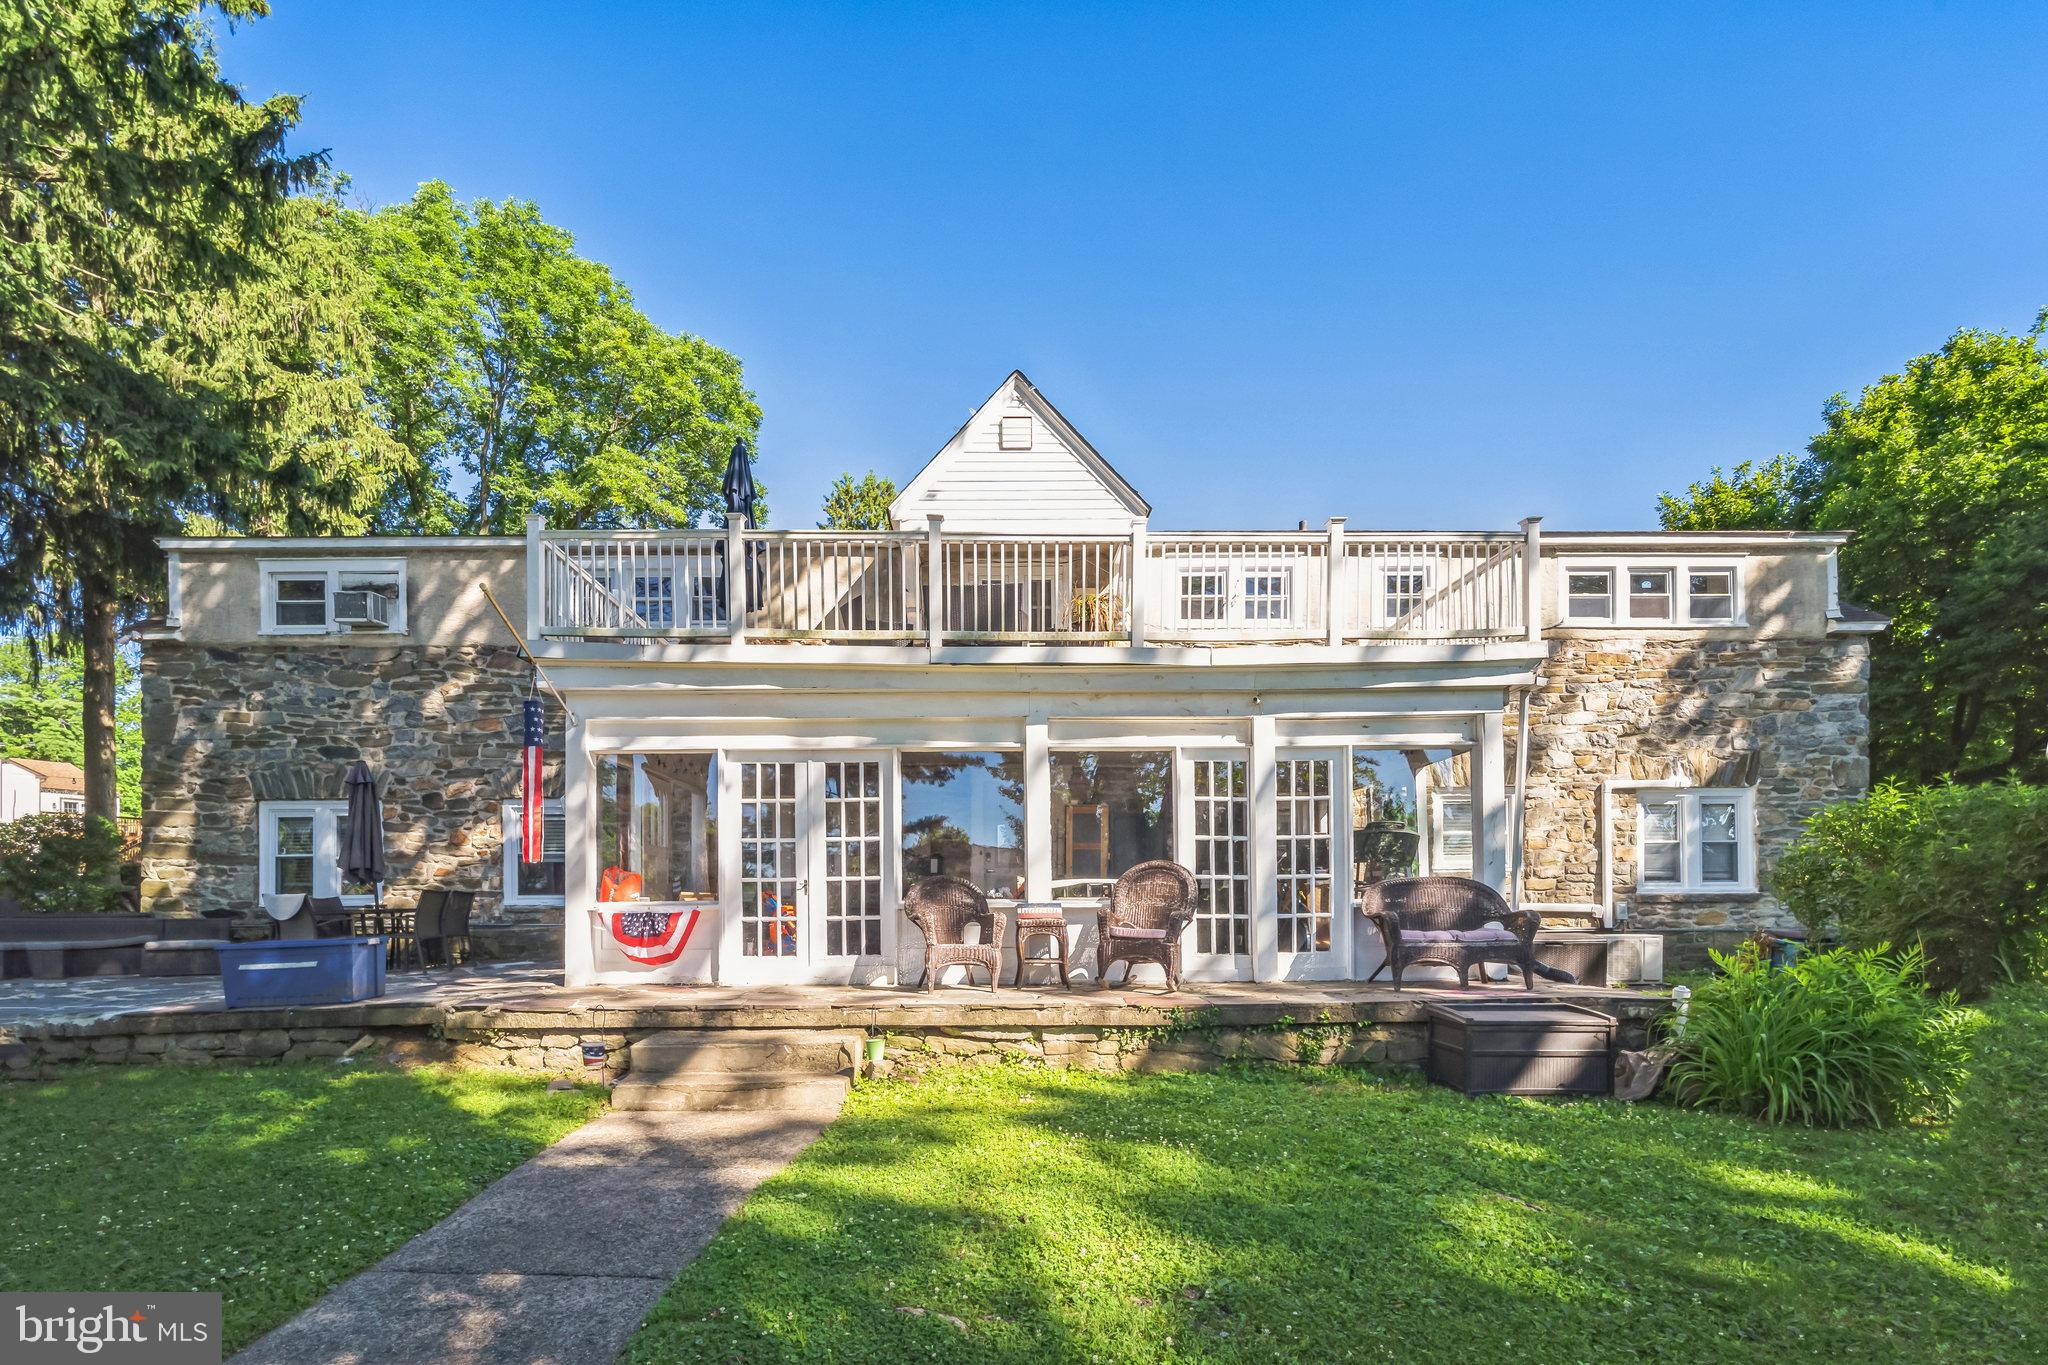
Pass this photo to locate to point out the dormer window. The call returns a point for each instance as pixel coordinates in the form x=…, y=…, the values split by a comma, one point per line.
x=1015, y=433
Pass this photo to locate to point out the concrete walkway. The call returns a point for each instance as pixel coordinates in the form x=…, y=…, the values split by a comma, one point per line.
x=557, y=1263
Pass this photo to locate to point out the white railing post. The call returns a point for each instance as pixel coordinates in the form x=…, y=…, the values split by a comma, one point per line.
x=1333, y=580
x=1140, y=579
x=536, y=603
x=736, y=578
x=1532, y=576
x=935, y=582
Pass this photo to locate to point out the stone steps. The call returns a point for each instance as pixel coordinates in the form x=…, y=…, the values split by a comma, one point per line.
x=700, y=1069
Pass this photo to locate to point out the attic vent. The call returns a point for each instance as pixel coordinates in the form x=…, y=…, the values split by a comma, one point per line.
x=1016, y=433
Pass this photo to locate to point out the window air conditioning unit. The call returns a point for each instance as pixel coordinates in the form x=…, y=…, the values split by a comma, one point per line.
x=362, y=607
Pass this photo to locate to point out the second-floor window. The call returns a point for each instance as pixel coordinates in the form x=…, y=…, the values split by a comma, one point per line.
x=334, y=596
x=1637, y=594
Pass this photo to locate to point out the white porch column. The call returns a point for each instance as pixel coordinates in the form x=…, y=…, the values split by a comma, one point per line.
x=1532, y=579
x=1333, y=582
x=1140, y=585
x=736, y=578
x=1265, y=905
x=579, y=854
x=1037, y=808
x=935, y=582
x=1489, y=805
x=536, y=607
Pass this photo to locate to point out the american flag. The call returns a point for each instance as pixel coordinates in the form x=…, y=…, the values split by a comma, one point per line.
x=652, y=937
x=531, y=819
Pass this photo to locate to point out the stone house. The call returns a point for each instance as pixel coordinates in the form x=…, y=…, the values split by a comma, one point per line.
x=758, y=738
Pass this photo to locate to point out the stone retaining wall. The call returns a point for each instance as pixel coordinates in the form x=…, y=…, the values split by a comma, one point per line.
x=209, y=1041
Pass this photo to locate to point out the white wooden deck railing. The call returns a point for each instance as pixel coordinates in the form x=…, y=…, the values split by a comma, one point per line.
x=1329, y=586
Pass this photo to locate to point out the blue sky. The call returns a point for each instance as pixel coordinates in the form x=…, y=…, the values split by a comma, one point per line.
x=1422, y=266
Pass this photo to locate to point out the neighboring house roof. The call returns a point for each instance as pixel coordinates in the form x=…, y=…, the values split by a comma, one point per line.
x=56, y=777
x=911, y=503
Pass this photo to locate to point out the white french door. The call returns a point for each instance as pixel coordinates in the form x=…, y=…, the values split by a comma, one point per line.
x=1214, y=820
x=1311, y=864
x=805, y=856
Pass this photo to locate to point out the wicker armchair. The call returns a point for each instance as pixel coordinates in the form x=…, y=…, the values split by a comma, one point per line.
x=1149, y=908
x=1445, y=920
x=942, y=908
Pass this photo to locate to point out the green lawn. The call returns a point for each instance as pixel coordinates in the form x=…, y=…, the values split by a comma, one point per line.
x=1031, y=1215
x=270, y=1184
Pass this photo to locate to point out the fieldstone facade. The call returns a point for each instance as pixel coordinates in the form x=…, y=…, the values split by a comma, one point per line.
x=227, y=728
x=1788, y=717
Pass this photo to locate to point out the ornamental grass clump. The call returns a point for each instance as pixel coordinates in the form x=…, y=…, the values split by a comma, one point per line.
x=1850, y=1036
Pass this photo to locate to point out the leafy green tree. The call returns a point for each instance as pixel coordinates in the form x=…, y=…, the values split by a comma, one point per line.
x=41, y=715
x=858, y=506
x=134, y=182
x=1764, y=497
x=1942, y=472
x=519, y=377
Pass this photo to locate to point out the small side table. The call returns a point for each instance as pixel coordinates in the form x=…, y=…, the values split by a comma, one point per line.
x=1042, y=919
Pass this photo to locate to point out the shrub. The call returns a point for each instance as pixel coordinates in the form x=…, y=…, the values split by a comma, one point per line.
x=61, y=863
x=1840, y=1037
x=1961, y=871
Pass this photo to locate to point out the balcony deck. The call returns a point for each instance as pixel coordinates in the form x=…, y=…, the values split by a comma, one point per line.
x=936, y=589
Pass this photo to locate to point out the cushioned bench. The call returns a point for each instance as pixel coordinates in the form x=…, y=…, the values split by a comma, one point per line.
x=181, y=957
x=51, y=947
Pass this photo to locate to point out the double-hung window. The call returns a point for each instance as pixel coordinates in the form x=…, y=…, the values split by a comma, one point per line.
x=1696, y=840
x=533, y=883
x=1638, y=594
x=1450, y=831
x=332, y=596
x=299, y=849
x=1268, y=595
x=1204, y=595
x=1403, y=591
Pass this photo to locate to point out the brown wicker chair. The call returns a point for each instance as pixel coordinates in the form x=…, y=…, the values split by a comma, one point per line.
x=942, y=908
x=1444, y=920
x=1149, y=908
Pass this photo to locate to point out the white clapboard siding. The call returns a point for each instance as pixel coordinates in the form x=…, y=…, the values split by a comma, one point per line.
x=1054, y=488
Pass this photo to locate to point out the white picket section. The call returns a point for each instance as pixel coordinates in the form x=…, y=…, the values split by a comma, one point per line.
x=1027, y=588
x=1448, y=586
x=835, y=585
x=1235, y=586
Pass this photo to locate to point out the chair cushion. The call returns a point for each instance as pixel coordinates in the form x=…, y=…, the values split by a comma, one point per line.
x=1457, y=936
x=1128, y=931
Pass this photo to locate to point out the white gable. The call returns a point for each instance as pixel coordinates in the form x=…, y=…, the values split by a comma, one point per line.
x=1034, y=476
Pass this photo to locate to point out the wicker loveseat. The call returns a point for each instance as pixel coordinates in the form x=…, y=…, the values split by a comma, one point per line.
x=1149, y=908
x=942, y=908
x=1448, y=920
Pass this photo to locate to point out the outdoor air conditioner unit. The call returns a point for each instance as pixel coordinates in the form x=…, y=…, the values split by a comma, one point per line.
x=362, y=607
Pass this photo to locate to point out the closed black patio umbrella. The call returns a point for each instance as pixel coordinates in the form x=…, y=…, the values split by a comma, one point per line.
x=740, y=498
x=362, y=853
x=740, y=493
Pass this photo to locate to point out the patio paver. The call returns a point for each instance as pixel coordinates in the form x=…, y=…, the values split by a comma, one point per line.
x=557, y=1263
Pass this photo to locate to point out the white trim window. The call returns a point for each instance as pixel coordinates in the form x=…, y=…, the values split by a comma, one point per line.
x=538, y=883
x=1698, y=840
x=1204, y=595
x=1450, y=832
x=1403, y=590
x=1636, y=593
x=299, y=850
x=333, y=596
x=1268, y=594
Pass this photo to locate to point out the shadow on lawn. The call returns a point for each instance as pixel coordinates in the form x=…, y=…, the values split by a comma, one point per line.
x=268, y=1184
x=1262, y=1215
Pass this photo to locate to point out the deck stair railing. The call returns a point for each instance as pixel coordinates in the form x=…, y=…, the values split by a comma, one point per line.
x=1440, y=586
x=1327, y=586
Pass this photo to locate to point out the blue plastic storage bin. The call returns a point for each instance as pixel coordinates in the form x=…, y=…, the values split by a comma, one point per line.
x=312, y=971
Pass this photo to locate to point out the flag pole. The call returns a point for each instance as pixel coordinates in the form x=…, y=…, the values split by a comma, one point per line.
x=520, y=641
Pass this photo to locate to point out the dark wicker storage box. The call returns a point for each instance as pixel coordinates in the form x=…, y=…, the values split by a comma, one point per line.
x=1521, y=1048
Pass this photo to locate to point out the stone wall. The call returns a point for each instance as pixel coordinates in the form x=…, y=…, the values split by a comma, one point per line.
x=227, y=728
x=1788, y=717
